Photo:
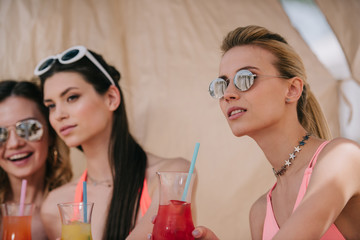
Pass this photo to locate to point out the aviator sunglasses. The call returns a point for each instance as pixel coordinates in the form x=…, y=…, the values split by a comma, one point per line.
x=71, y=55
x=30, y=130
x=243, y=81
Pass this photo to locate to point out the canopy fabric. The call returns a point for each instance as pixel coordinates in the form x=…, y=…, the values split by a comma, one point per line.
x=168, y=52
x=344, y=19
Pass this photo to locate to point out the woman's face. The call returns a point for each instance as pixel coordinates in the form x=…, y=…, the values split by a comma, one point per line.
x=262, y=106
x=21, y=158
x=78, y=113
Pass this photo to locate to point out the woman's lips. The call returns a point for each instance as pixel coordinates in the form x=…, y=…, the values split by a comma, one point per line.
x=235, y=112
x=20, y=159
x=66, y=130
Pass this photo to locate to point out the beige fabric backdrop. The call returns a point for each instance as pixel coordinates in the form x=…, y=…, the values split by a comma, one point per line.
x=168, y=52
x=344, y=19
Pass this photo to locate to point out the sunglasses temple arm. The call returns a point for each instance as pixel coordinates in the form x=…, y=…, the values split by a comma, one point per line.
x=93, y=59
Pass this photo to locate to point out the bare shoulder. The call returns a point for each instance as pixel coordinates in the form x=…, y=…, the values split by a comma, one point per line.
x=257, y=217
x=65, y=193
x=49, y=210
x=341, y=151
x=157, y=163
x=339, y=162
x=344, y=143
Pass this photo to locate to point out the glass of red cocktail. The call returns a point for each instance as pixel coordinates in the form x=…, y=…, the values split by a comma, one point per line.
x=174, y=218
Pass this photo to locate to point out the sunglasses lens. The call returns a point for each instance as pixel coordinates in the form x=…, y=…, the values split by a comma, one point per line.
x=243, y=80
x=46, y=64
x=30, y=130
x=70, y=55
x=3, y=134
x=217, y=88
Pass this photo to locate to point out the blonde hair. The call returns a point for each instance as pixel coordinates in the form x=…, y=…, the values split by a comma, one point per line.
x=288, y=64
x=58, y=168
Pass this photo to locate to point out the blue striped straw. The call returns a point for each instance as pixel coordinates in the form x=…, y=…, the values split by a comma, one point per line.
x=85, y=201
x=191, y=170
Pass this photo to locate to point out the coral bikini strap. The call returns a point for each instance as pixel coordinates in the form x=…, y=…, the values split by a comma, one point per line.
x=145, y=199
x=79, y=187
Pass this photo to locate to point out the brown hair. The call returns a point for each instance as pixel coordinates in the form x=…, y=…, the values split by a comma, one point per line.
x=288, y=64
x=58, y=168
x=127, y=158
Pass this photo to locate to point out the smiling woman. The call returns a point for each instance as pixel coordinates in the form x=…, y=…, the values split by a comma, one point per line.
x=29, y=149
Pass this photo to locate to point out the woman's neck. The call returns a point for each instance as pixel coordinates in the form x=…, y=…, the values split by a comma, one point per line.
x=96, y=154
x=278, y=144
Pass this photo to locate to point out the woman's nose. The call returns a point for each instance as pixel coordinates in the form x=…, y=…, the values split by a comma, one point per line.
x=60, y=113
x=231, y=92
x=14, y=141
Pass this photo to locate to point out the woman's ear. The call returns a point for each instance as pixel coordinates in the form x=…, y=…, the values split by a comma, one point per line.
x=113, y=98
x=294, y=91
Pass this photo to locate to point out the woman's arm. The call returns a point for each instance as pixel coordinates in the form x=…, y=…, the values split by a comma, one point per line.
x=49, y=211
x=50, y=217
x=335, y=180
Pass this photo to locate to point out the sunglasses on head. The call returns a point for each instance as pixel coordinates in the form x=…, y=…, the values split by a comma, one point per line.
x=243, y=81
x=71, y=55
x=30, y=130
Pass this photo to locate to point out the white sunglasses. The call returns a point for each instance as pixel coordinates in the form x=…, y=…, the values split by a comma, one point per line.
x=71, y=55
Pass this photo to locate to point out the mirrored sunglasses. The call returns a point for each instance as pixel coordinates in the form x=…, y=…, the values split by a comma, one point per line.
x=30, y=130
x=71, y=55
x=243, y=81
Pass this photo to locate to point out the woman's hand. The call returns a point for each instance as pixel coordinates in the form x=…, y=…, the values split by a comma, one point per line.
x=204, y=233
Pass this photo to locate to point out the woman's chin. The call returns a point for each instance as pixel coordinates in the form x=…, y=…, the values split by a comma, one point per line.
x=71, y=144
x=238, y=133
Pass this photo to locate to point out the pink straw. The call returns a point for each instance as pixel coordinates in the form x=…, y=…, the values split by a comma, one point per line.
x=22, y=197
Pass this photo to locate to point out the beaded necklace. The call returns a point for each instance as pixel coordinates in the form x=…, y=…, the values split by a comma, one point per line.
x=292, y=156
x=107, y=183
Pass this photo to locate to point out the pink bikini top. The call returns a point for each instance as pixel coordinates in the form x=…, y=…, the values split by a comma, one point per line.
x=145, y=199
x=270, y=225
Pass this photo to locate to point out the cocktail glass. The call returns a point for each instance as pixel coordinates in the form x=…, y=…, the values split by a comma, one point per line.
x=16, y=221
x=75, y=220
x=174, y=218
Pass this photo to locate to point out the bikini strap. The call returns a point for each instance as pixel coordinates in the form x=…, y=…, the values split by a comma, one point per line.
x=145, y=199
x=314, y=158
x=79, y=187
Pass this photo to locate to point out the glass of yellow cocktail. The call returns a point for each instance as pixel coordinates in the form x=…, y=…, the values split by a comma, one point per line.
x=76, y=220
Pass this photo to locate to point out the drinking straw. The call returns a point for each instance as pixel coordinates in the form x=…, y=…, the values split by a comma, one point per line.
x=22, y=197
x=85, y=201
x=191, y=170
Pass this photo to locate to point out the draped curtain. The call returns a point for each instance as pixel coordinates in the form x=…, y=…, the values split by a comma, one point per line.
x=168, y=52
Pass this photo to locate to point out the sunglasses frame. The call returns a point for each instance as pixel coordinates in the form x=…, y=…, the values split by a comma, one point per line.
x=82, y=51
x=245, y=86
x=17, y=129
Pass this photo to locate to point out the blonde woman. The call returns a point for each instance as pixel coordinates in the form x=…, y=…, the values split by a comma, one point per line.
x=263, y=93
